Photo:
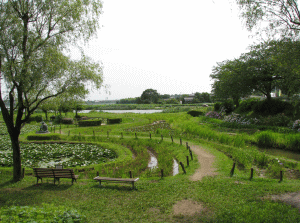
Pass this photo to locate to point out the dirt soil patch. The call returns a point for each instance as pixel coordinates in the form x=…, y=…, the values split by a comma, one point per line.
x=206, y=161
x=187, y=207
x=292, y=199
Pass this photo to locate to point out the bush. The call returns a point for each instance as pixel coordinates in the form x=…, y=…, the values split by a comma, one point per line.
x=228, y=106
x=52, y=118
x=246, y=105
x=90, y=122
x=45, y=136
x=58, y=119
x=114, y=121
x=37, y=118
x=68, y=121
x=217, y=106
x=195, y=113
x=271, y=107
x=277, y=120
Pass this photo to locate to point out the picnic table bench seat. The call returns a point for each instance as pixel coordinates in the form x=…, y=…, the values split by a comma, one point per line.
x=117, y=180
x=56, y=174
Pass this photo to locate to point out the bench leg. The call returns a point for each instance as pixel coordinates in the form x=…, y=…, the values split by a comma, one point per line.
x=99, y=182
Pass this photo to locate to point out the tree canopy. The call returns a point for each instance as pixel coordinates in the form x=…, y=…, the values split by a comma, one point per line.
x=149, y=96
x=34, y=36
x=266, y=66
x=280, y=16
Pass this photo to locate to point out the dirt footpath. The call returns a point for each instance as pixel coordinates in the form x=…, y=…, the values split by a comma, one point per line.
x=206, y=161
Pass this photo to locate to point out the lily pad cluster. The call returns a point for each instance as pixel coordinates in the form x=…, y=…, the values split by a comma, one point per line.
x=68, y=155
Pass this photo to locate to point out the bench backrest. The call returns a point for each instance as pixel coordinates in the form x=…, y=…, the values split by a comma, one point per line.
x=57, y=173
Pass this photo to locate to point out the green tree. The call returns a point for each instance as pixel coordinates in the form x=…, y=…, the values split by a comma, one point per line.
x=34, y=35
x=149, y=96
x=281, y=16
x=230, y=81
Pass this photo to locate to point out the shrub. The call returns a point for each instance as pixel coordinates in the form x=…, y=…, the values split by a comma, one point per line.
x=68, y=121
x=90, y=122
x=45, y=136
x=296, y=125
x=114, y=120
x=217, y=106
x=195, y=113
x=52, y=118
x=277, y=120
x=37, y=118
x=247, y=105
x=228, y=105
x=271, y=107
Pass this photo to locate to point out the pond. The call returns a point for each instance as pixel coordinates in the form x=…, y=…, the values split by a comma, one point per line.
x=283, y=153
x=125, y=111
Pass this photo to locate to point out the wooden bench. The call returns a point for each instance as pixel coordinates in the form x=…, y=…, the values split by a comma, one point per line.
x=117, y=180
x=41, y=173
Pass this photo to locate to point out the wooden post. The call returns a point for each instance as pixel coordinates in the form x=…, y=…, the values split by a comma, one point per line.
x=191, y=154
x=182, y=166
x=162, y=173
x=130, y=174
x=162, y=137
x=97, y=173
x=94, y=133
x=172, y=138
x=122, y=135
x=281, y=176
x=180, y=141
x=23, y=172
x=232, y=170
x=135, y=136
x=187, y=161
x=187, y=145
x=251, y=174
x=69, y=133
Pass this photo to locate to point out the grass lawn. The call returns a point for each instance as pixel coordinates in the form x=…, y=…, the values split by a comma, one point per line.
x=221, y=198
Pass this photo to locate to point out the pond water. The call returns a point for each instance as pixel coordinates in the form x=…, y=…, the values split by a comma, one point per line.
x=153, y=161
x=125, y=111
x=283, y=153
x=175, y=168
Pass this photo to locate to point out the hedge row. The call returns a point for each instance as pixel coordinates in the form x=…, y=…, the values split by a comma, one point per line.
x=114, y=121
x=90, y=122
x=46, y=136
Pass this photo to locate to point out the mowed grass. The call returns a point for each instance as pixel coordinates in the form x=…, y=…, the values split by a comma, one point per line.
x=224, y=198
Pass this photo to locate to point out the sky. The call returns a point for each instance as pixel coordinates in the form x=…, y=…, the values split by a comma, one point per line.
x=168, y=45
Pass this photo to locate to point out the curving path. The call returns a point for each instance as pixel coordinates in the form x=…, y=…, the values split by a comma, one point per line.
x=206, y=161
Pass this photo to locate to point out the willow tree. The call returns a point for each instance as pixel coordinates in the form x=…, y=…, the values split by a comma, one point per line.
x=34, y=34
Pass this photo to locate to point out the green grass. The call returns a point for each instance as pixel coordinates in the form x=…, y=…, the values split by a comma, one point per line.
x=225, y=198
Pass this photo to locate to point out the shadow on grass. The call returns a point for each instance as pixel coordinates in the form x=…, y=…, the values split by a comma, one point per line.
x=48, y=187
x=7, y=183
x=115, y=187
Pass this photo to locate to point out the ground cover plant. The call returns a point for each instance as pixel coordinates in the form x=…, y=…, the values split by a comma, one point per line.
x=223, y=197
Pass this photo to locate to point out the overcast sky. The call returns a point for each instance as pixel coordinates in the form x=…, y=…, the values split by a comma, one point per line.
x=167, y=45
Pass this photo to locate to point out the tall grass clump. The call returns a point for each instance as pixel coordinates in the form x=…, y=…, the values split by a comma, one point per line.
x=292, y=142
x=266, y=139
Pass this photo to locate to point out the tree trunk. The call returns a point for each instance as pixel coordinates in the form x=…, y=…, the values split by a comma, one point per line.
x=269, y=98
x=236, y=102
x=17, y=171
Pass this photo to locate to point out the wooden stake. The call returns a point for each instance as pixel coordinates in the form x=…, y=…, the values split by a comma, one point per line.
x=187, y=145
x=162, y=173
x=191, y=154
x=187, y=161
x=182, y=166
x=135, y=136
x=97, y=173
x=69, y=133
x=122, y=135
x=180, y=141
x=232, y=170
x=130, y=174
x=172, y=138
x=281, y=176
x=251, y=174
x=94, y=133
